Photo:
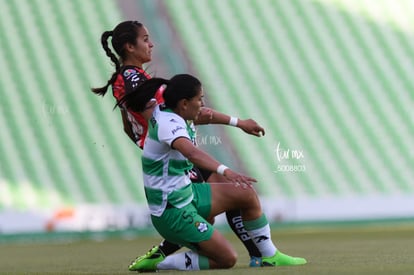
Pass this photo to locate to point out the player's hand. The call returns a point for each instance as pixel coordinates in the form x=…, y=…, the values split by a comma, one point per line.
x=244, y=181
x=251, y=127
x=205, y=116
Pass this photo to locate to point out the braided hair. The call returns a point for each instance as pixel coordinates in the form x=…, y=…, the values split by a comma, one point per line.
x=123, y=33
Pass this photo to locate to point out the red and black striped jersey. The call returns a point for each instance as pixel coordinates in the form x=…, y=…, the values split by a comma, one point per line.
x=127, y=80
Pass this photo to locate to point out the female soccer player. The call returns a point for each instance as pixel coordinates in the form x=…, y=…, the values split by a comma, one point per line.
x=131, y=42
x=180, y=210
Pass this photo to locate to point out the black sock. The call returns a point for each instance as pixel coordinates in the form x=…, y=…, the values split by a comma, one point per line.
x=236, y=223
x=168, y=248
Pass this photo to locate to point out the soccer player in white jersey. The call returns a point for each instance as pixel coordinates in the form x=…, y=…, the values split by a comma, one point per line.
x=132, y=47
x=181, y=211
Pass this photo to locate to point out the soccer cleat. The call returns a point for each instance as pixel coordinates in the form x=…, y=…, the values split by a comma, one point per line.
x=147, y=262
x=255, y=261
x=280, y=259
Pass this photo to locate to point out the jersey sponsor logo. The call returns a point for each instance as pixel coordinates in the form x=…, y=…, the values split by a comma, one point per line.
x=201, y=226
x=133, y=76
x=129, y=72
x=178, y=128
x=241, y=231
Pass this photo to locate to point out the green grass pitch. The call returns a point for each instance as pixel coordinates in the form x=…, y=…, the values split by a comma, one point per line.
x=374, y=249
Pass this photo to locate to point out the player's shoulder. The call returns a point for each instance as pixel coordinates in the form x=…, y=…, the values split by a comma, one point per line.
x=133, y=76
x=169, y=117
x=128, y=78
x=133, y=73
x=168, y=121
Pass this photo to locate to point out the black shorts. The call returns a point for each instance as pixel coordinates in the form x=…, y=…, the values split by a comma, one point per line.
x=199, y=174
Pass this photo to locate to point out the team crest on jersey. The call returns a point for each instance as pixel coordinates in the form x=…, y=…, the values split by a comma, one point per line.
x=129, y=72
x=201, y=226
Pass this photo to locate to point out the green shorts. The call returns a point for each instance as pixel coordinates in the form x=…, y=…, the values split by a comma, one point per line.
x=187, y=226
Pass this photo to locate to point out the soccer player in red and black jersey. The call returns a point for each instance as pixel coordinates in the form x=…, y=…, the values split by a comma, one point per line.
x=135, y=124
x=132, y=44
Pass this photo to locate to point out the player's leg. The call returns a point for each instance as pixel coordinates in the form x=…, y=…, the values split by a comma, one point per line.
x=236, y=224
x=154, y=256
x=227, y=197
x=165, y=248
x=219, y=251
x=186, y=226
x=215, y=253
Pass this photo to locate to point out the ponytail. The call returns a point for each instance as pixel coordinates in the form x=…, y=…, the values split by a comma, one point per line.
x=138, y=98
x=124, y=32
x=104, y=41
x=180, y=86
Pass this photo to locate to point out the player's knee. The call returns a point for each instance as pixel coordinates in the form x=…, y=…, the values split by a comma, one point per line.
x=229, y=260
x=251, y=198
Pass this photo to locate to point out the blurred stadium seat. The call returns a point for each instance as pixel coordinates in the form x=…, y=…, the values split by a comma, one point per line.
x=331, y=81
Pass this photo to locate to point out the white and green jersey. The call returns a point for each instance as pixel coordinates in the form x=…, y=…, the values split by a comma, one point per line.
x=165, y=170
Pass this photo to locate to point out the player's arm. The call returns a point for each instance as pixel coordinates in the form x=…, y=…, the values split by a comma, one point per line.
x=211, y=116
x=203, y=160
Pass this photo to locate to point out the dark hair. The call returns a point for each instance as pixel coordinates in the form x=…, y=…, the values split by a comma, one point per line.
x=125, y=32
x=138, y=98
x=181, y=86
